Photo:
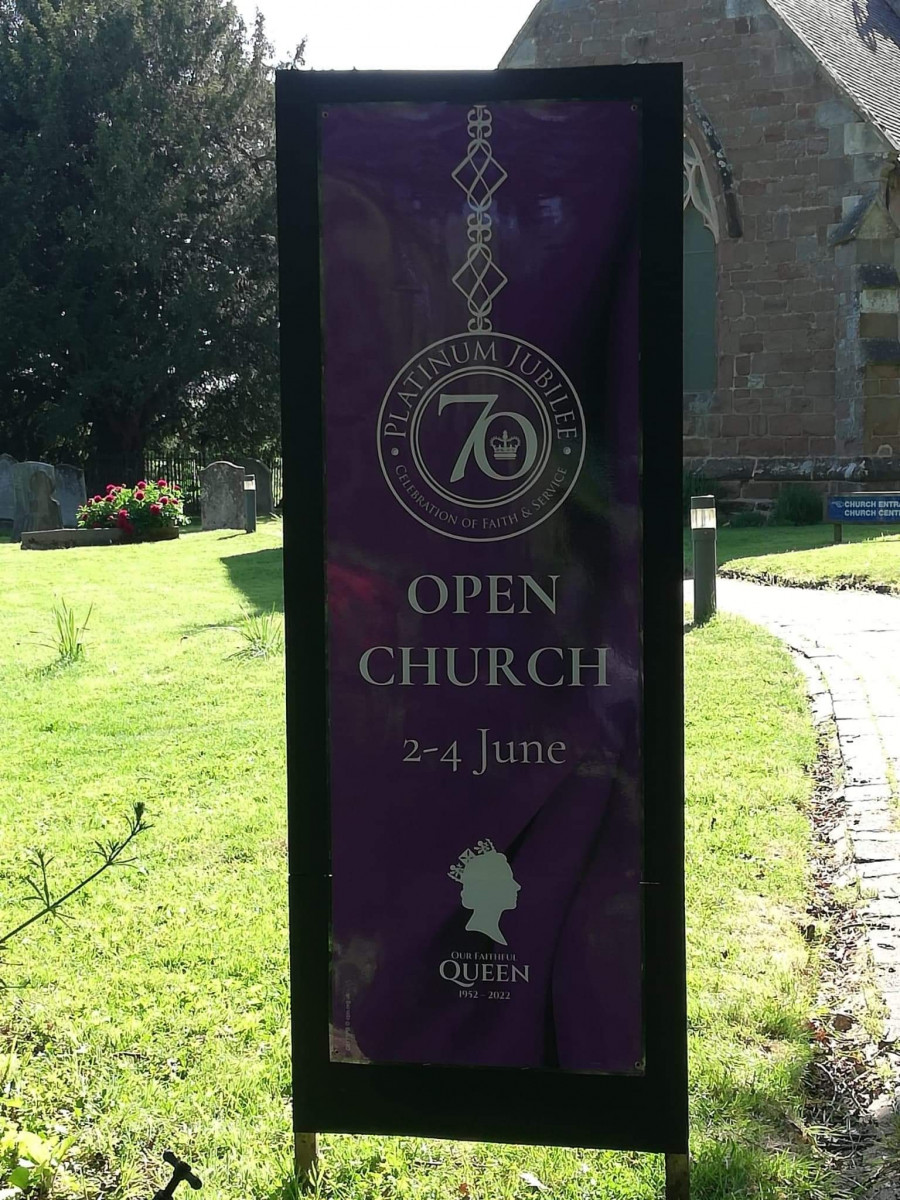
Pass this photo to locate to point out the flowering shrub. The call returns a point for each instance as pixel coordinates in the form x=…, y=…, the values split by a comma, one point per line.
x=136, y=510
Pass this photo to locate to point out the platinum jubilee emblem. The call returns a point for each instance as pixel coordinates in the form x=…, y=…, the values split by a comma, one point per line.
x=481, y=434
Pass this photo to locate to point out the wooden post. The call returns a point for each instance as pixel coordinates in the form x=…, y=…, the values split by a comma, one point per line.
x=678, y=1177
x=306, y=1157
x=838, y=533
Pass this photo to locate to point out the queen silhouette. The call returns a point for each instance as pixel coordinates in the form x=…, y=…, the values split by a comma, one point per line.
x=489, y=888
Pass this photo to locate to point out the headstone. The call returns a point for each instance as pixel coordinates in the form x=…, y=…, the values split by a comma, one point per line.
x=253, y=466
x=222, y=496
x=35, y=505
x=7, y=503
x=70, y=492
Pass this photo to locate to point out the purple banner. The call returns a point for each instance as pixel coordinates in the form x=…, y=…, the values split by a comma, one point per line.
x=480, y=318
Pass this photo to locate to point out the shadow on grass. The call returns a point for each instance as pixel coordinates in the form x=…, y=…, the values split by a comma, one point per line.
x=189, y=631
x=259, y=576
x=196, y=527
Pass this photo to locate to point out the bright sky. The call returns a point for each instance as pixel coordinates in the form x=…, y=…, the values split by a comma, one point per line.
x=392, y=34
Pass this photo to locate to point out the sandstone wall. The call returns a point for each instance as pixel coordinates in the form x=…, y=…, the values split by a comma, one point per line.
x=809, y=357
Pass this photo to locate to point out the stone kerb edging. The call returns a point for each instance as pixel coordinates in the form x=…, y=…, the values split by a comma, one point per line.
x=867, y=842
x=848, y=649
x=854, y=821
x=847, y=646
x=69, y=539
x=836, y=583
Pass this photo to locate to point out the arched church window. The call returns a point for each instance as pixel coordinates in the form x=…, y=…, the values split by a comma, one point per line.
x=701, y=232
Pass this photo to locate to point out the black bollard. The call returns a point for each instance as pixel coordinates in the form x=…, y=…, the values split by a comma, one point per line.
x=250, y=503
x=703, y=539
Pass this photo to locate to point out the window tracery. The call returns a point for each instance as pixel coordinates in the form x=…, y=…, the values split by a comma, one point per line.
x=696, y=187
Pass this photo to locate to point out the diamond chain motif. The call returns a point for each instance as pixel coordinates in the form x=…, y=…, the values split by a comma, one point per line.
x=479, y=175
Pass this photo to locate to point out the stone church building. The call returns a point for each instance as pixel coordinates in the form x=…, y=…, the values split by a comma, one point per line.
x=791, y=222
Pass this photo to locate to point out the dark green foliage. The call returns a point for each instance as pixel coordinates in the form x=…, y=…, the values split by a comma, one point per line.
x=68, y=640
x=695, y=484
x=137, y=226
x=751, y=518
x=798, y=504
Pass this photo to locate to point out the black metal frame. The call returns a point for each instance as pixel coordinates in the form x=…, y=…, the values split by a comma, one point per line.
x=647, y=1112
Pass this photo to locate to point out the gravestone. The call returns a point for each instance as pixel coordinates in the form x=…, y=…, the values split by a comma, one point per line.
x=252, y=466
x=35, y=505
x=70, y=492
x=222, y=496
x=7, y=503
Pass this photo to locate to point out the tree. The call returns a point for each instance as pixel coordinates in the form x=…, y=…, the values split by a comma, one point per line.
x=137, y=226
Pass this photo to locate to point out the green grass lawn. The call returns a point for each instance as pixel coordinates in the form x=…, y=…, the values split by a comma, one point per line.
x=871, y=563
x=157, y=1018
x=805, y=555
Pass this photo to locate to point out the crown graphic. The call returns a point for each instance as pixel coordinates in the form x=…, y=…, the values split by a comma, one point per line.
x=485, y=846
x=505, y=446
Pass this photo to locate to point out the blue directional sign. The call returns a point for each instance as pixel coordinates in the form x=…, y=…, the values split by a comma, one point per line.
x=865, y=508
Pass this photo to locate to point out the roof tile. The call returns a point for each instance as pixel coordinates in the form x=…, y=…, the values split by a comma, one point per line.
x=858, y=44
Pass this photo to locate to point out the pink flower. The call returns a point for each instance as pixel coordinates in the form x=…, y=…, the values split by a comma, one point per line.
x=161, y=483
x=155, y=509
x=175, y=488
x=111, y=487
x=88, y=501
x=142, y=483
x=97, y=499
x=164, y=499
x=138, y=495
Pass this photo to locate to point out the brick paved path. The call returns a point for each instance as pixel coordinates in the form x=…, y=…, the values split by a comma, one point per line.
x=848, y=644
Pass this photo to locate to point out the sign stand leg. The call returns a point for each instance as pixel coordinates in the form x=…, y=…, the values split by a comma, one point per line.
x=838, y=533
x=678, y=1177
x=306, y=1157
